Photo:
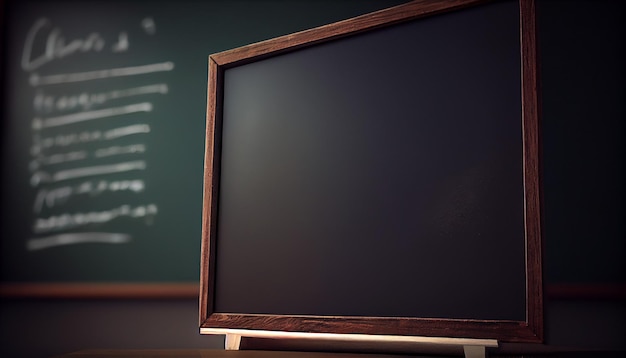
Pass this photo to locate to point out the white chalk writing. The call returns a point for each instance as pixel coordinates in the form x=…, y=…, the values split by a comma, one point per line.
x=46, y=103
x=78, y=131
x=64, y=140
x=77, y=238
x=55, y=45
x=36, y=80
x=59, y=195
x=118, y=150
x=39, y=123
x=69, y=221
x=57, y=159
x=43, y=177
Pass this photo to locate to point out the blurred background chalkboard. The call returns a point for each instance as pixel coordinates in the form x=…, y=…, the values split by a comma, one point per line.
x=103, y=119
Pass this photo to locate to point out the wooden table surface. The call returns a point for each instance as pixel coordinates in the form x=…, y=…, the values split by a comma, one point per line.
x=214, y=353
x=218, y=353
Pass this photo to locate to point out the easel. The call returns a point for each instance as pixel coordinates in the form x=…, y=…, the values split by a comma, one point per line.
x=468, y=347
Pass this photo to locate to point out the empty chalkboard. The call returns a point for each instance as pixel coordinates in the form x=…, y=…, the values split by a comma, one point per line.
x=377, y=176
x=103, y=113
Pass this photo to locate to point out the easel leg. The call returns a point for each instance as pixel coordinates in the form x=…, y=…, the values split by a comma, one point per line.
x=474, y=351
x=232, y=342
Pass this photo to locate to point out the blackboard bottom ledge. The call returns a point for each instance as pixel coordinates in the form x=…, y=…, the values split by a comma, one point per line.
x=91, y=290
x=249, y=339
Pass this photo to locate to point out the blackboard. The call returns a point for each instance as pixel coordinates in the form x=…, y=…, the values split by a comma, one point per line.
x=377, y=176
x=103, y=113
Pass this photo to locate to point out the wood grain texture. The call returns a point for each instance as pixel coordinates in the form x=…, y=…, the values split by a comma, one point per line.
x=385, y=17
x=353, y=337
x=532, y=165
x=530, y=330
x=207, y=260
x=99, y=290
x=510, y=331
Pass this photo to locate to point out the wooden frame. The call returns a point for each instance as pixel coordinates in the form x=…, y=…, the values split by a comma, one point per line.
x=530, y=330
x=77, y=290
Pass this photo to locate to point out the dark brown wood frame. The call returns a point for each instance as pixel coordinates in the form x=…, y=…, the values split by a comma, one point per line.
x=530, y=330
